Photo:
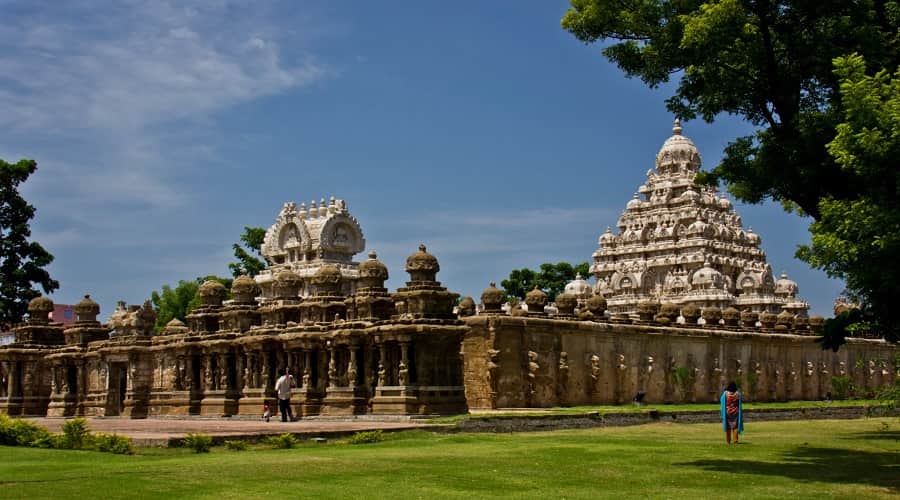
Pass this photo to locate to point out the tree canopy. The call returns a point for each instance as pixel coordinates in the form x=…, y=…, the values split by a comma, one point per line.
x=22, y=262
x=178, y=302
x=773, y=64
x=551, y=278
x=247, y=263
x=858, y=239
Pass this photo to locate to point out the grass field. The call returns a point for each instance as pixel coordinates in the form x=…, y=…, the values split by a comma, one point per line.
x=800, y=459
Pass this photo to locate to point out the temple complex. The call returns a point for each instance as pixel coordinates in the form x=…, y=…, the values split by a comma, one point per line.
x=684, y=303
x=679, y=242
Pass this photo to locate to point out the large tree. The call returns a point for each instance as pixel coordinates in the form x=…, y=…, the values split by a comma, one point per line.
x=770, y=62
x=858, y=239
x=551, y=278
x=248, y=263
x=22, y=262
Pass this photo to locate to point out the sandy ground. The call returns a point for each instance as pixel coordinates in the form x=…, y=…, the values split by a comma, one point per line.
x=160, y=432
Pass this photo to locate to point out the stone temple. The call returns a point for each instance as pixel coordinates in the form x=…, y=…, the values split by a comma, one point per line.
x=684, y=303
x=681, y=243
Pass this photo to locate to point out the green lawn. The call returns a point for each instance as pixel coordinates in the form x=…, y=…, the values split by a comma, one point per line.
x=801, y=459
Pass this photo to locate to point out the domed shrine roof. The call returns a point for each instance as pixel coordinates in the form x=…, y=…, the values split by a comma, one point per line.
x=422, y=261
x=678, y=151
x=579, y=287
x=786, y=287
x=707, y=277
x=492, y=297
x=373, y=268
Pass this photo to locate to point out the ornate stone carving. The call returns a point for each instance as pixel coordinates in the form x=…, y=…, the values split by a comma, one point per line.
x=698, y=242
x=533, y=368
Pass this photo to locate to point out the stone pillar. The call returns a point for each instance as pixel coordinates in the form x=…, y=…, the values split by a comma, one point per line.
x=332, y=367
x=263, y=369
x=307, y=371
x=382, y=365
x=403, y=368
x=351, y=368
x=206, y=373
x=4, y=379
x=13, y=381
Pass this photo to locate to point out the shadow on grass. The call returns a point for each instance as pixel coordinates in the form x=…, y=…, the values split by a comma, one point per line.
x=876, y=435
x=831, y=465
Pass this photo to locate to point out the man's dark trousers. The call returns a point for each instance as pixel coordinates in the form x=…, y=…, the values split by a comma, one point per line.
x=284, y=406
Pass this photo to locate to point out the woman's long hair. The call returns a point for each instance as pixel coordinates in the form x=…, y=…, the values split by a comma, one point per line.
x=732, y=387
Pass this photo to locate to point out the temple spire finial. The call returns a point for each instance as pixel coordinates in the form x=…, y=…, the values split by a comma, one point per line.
x=676, y=127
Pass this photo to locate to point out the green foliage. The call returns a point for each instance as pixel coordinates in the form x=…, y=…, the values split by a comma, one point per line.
x=827, y=135
x=858, y=239
x=683, y=381
x=281, y=441
x=551, y=278
x=889, y=396
x=113, y=443
x=76, y=434
x=200, y=443
x=753, y=384
x=842, y=387
x=22, y=262
x=18, y=432
x=248, y=264
x=178, y=302
x=236, y=445
x=367, y=437
x=520, y=282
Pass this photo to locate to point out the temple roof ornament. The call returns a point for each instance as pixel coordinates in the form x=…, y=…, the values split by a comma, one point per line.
x=304, y=239
x=579, y=288
x=681, y=242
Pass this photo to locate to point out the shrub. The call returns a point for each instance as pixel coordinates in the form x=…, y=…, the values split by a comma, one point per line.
x=285, y=441
x=683, y=381
x=113, y=443
x=200, y=443
x=753, y=382
x=236, y=445
x=76, y=434
x=366, y=437
x=18, y=432
x=842, y=387
x=889, y=396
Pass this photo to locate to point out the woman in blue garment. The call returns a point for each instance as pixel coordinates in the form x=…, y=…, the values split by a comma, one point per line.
x=732, y=413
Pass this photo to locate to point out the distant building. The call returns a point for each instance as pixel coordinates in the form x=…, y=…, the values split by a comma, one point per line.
x=63, y=313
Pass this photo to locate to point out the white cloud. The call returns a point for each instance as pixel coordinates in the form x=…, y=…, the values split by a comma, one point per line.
x=106, y=74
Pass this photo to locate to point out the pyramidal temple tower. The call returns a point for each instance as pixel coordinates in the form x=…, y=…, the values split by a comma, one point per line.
x=682, y=243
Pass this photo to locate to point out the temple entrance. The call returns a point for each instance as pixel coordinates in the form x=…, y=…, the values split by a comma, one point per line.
x=18, y=371
x=72, y=379
x=117, y=389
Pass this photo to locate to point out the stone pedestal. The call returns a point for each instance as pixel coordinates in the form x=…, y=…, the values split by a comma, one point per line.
x=395, y=400
x=345, y=401
x=219, y=403
x=64, y=405
x=136, y=405
x=166, y=403
x=252, y=401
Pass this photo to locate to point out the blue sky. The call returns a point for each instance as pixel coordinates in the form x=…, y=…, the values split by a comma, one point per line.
x=479, y=128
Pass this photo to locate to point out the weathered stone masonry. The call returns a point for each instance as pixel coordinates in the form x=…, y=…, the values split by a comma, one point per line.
x=684, y=303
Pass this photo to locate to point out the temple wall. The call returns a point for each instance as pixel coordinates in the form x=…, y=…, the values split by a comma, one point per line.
x=537, y=362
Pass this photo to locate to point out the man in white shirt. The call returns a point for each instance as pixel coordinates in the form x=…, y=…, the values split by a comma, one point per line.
x=283, y=390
